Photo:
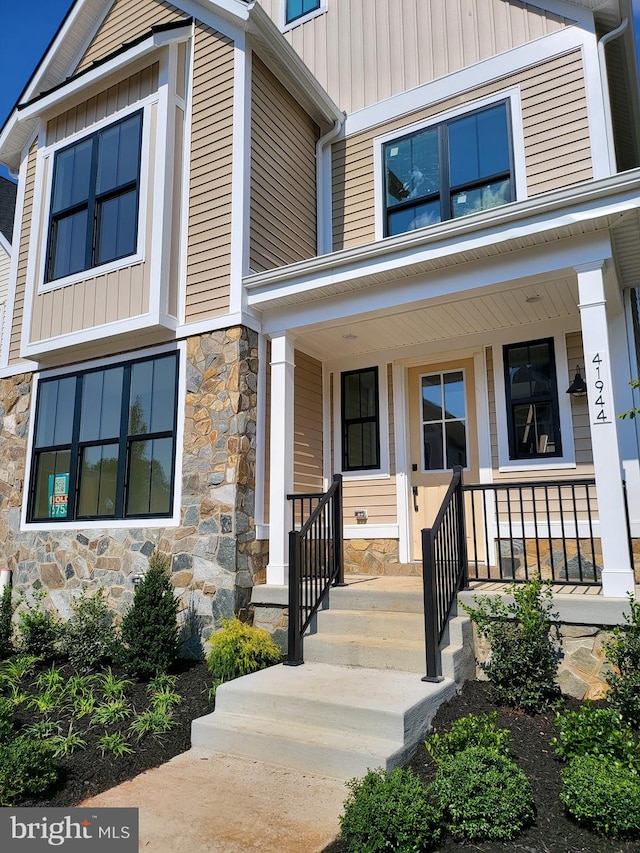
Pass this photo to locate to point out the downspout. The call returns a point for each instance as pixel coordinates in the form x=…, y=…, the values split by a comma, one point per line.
x=602, y=60
x=5, y=579
x=323, y=203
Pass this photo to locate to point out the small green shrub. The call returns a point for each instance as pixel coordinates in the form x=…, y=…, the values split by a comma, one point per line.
x=38, y=629
x=596, y=731
x=150, y=627
x=112, y=686
x=64, y=745
x=472, y=730
x=483, y=795
x=115, y=743
x=6, y=625
x=524, y=661
x=27, y=769
x=389, y=810
x=602, y=796
x=111, y=712
x=88, y=636
x=623, y=651
x=240, y=649
x=153, y=721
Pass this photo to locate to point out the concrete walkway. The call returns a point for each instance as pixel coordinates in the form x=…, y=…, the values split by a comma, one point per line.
x=201, y=802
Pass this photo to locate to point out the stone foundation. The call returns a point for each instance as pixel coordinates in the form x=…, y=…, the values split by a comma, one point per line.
x=556, y=560
x=372, y=557
x=215, y=557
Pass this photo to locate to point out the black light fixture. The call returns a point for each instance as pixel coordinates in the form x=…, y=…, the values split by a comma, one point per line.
x=578, y=387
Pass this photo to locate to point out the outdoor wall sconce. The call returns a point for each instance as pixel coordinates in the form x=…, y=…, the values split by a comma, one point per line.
x=578, y=387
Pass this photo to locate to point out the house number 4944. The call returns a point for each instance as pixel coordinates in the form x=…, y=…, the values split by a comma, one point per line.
x=600, y=390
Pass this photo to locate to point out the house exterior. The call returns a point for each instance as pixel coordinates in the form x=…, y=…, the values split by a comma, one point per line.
x=260, y=243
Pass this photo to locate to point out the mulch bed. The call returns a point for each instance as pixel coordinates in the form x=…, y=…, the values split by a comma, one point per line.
x=553, y=832
x=86, y=772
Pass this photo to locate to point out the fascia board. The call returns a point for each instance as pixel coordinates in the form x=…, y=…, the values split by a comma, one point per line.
x=609, y=196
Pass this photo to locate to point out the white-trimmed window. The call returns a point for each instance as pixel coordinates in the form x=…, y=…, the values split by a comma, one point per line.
x=93, y=216
x=295, y=12
x=360, y=419
x=448, y=169
x=104, y=443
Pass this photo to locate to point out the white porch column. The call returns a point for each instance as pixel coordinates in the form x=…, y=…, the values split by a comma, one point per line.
x=281, y=457
x=617, y=575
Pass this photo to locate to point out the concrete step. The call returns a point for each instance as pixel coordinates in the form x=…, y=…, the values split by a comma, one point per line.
x=326, y=719
x=371, y=652
x=374, y=596
x=370, y=623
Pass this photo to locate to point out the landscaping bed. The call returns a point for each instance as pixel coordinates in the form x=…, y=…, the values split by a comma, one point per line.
x=86, y=771
x=553, y=831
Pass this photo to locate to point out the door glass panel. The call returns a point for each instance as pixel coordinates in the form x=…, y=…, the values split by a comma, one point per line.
x=431, y=398
x=456, y=438
x=433, y=448
x=454, y=395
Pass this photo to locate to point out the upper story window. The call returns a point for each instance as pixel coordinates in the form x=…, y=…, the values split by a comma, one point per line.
x=448, y=170
x=532, y=400
x=295, y=9
x=104, y=443
x=94, y=201
x=360, y=420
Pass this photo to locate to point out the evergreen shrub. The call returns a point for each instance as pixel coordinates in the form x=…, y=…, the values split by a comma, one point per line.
x=596, y=731
x=623, y=651
x=149, y=629
x=602, y=796
x=389, y=810
x=472, y=730
x=483, y=795
x=240, y=649
x=6, y=626
x=88, y=636
x=38, y=629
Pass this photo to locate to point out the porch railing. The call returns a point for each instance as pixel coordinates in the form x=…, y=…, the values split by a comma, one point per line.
x=518, y=530
x=315, y=559
x=444, y=570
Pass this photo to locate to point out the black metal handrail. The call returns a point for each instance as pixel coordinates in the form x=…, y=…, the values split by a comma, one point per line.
x=518, y=530
x=315, y=560
x=444, y=571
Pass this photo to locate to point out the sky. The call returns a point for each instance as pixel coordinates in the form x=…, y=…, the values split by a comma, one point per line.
x=19, y=56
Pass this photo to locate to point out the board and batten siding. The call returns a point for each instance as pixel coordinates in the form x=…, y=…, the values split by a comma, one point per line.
x=126, y=21
x=209, y=232
x=283, y=177
x=23, y=254
x=120, y=294
x=556, y=142
x=363, y=51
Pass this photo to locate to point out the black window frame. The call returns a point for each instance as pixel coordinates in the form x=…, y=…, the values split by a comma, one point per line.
x=445, y=190
x=552, y=399
x=124, y=440
x=93, y=204
x=289, y=20
x=346, y=423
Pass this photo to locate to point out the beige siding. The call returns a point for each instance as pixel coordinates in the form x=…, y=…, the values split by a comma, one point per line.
x=100, y=106
x=209, y=257
x=125, y=22
x=579, y=407
x=556, y=140
x=307, y=450
x=98, y=299
x=283, y=180
x=23, y=255
x=364, y=51
x=5, y=265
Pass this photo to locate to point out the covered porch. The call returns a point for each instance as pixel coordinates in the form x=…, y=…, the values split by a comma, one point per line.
x=455, y=311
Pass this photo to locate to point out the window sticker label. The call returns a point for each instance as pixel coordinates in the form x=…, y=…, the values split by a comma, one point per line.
x=58, y=495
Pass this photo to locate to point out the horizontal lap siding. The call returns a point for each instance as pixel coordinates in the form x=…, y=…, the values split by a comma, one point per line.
x=5, y=265
x=579, y=408
x=23, y=256
x=363, y=52
x=283, y=181
x=554, y=115
x=125, y=22
x=307, y=454
x=209, y=234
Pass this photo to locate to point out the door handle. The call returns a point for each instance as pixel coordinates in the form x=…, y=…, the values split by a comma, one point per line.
x=415, y=498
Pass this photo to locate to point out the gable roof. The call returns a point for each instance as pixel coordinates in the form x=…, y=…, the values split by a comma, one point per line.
x=8, y=192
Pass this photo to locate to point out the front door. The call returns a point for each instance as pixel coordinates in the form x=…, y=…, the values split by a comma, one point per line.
x=442, y=416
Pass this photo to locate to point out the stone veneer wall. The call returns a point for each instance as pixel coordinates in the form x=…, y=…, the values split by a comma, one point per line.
x=215, y=556
x=372, y=557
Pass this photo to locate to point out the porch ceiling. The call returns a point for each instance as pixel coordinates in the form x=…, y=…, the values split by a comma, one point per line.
x=459, y=318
